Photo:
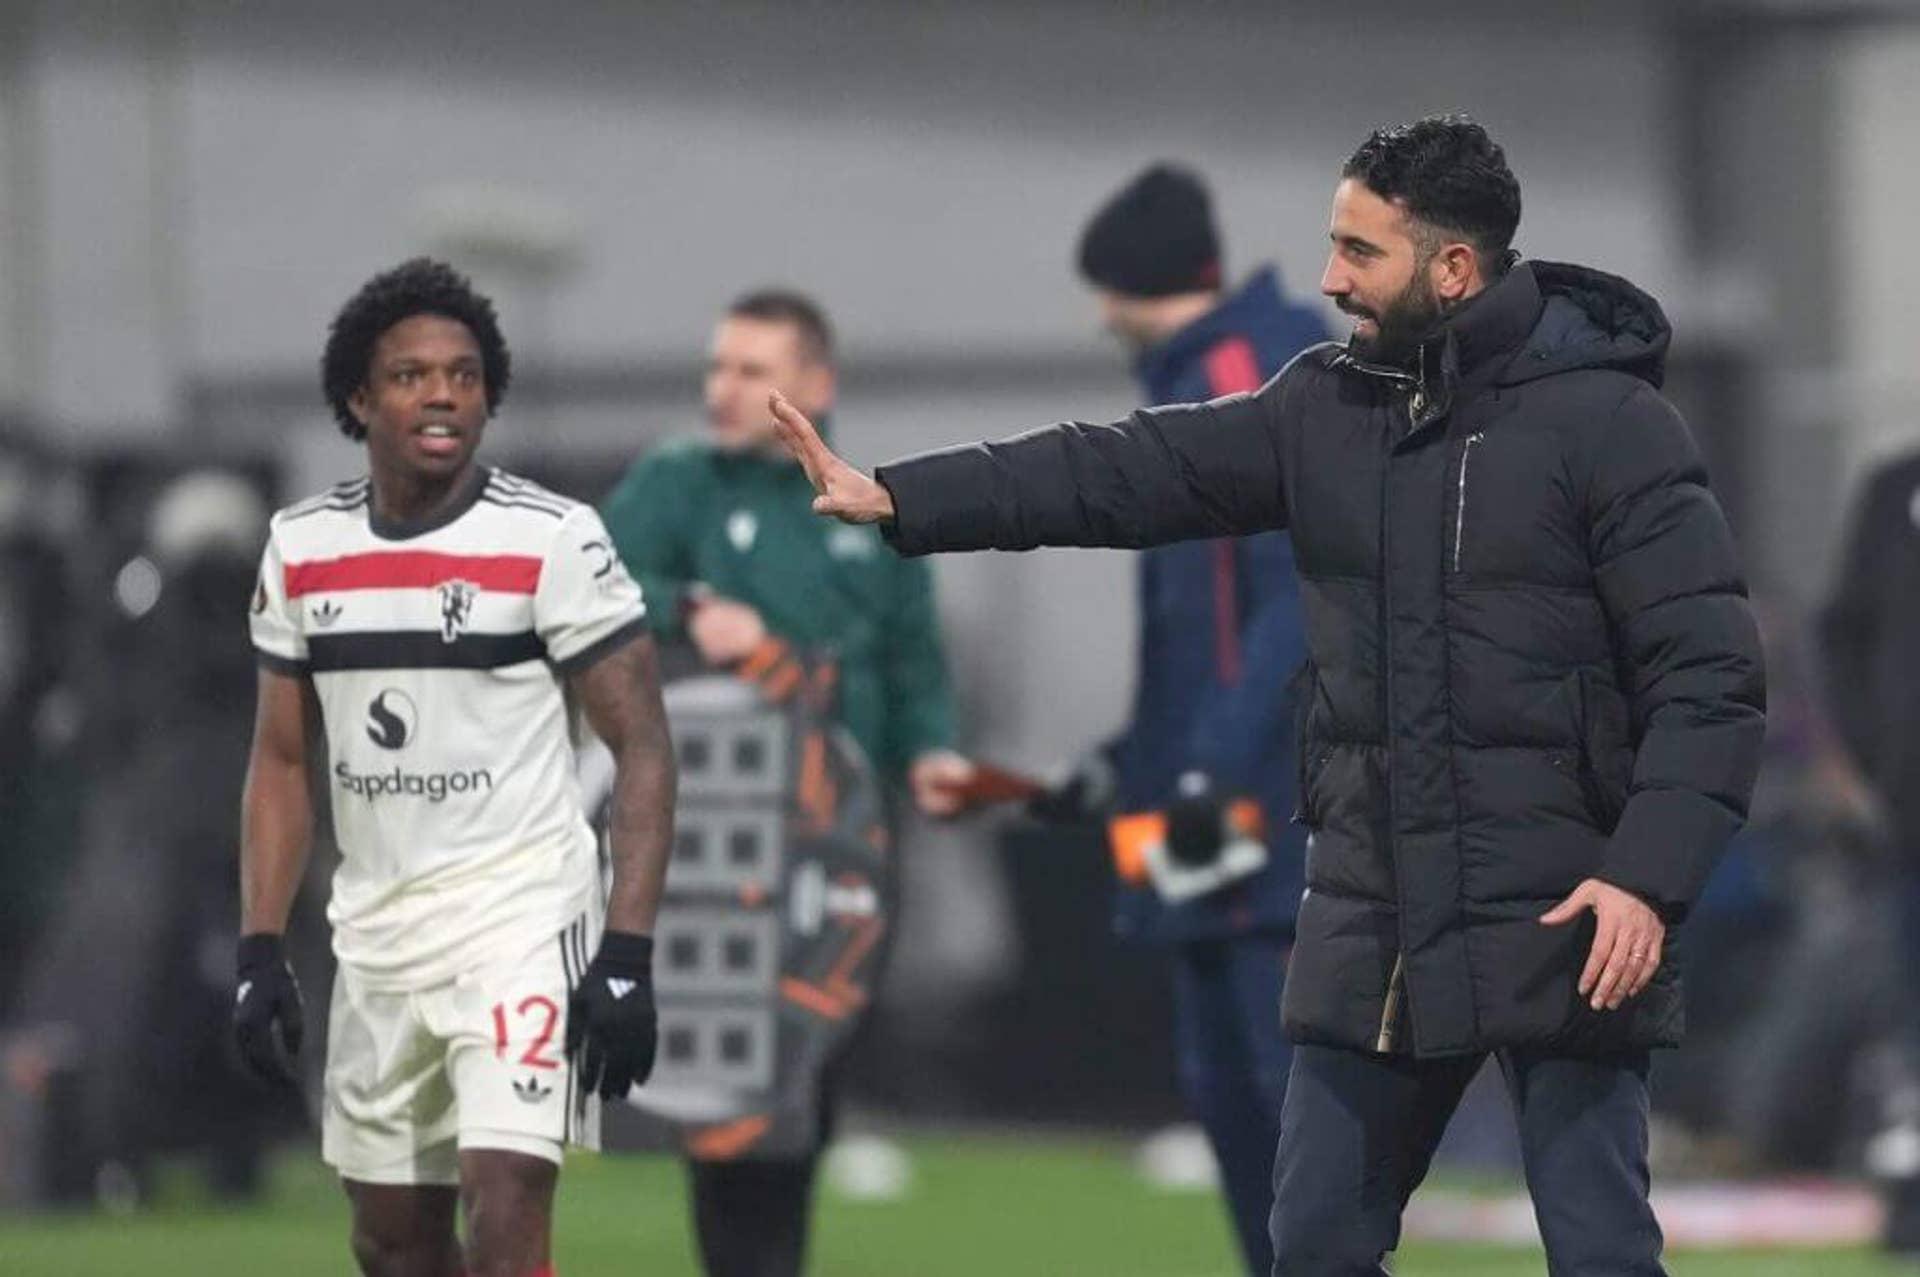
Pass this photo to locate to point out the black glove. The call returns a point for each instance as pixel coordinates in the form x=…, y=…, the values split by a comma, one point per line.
x=267, y=996
x=1082, y=798
x=1196, y=822
x=611, y=1026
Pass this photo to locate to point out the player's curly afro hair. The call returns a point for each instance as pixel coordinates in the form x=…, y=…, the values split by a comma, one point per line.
x=421, y=286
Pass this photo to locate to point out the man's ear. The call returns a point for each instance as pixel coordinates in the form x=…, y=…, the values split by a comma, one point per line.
x=1454, y=272
x=357, y=404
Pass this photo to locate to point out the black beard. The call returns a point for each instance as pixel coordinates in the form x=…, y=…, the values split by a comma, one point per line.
x=1406, y=322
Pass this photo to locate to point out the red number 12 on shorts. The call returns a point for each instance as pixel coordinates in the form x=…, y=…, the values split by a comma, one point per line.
x=535, y=1055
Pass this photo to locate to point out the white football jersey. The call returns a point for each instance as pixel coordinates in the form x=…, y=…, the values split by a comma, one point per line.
x=437, y=651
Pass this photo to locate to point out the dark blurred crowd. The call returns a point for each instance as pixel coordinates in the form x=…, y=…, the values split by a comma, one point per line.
x=126, y=691
x=126, y=697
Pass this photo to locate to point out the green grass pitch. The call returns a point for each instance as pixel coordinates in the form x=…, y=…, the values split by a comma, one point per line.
x=1010, y=1206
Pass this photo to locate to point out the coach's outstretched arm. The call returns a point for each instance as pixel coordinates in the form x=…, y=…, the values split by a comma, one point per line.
x=276, y=831
x=1164, y=474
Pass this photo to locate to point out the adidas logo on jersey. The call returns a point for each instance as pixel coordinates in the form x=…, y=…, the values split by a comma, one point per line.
x=530, y=1091
x=620, y=988
x=326, y=614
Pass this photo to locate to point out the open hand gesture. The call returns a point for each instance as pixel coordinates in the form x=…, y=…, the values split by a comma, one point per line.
x=846, y=494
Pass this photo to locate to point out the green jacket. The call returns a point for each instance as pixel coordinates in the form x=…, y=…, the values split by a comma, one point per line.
x=743, y=525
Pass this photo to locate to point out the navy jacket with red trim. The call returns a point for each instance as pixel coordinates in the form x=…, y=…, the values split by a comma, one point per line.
x=1220, y=637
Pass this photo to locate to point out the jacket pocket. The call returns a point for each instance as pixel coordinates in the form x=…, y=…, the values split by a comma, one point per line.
x=1600, y=747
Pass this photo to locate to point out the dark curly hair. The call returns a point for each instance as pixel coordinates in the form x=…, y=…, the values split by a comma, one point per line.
x=1451, y=177
x=421, y=286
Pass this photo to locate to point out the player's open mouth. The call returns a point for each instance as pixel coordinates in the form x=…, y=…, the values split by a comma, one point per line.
x=438, y=439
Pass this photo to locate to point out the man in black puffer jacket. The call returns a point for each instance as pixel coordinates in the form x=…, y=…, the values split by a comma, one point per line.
x=1536, y=696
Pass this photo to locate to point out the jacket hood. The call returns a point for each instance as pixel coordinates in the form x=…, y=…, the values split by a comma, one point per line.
x=1589, y=319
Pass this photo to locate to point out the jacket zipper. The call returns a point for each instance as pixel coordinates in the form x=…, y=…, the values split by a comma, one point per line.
x=1419, y=399
x=1401, y=380
x=1390, y=1009
x=1385, y=371
x=1384, y=1040
x=1460, y=500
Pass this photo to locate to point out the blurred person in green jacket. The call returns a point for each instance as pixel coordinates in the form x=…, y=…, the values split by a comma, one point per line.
x=720, y=532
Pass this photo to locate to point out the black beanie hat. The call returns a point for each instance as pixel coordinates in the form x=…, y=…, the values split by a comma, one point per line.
x=1154, y=238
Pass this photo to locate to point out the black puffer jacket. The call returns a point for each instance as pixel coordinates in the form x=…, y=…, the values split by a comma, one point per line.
x=1532, y=658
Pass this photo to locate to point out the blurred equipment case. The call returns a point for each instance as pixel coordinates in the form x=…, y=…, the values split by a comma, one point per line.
x=779, y=898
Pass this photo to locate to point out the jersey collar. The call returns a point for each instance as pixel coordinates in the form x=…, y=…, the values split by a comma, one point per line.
x=406, y=529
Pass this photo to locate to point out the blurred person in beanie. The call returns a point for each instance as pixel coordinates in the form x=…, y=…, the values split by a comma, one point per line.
x=1220, y=638
x=1534, y=698
x=1870, y=632
x=719, y=531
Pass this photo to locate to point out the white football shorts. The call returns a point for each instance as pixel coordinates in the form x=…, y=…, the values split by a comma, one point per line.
x=475, y=1063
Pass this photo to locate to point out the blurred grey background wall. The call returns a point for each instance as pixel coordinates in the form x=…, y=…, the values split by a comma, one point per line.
x=188, y=188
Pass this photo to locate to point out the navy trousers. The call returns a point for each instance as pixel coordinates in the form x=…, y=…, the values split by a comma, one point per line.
x=1359, y=1131
x=1233, y=1060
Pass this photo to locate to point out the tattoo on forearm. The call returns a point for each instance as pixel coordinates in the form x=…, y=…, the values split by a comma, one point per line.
x=621, y=696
